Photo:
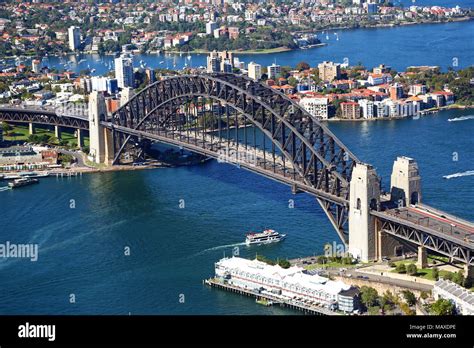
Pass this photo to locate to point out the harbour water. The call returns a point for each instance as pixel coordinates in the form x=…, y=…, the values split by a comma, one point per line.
x=83, y=225
x=399, y=47
x=177, y=222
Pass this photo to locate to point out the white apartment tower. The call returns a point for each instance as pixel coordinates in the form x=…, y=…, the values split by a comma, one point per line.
x=124, y=71
x=318, y=107
x=273, y=71
x=74, y=34
x=254, y=71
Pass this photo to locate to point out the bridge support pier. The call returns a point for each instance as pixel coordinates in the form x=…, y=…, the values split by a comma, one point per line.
x=57, y=132
x=405, y=182
x=80, y=138
x=364, y=196
x=469, y=272
x=31, y=128
x=387, y=246
x=101, y=150
x=422, y=257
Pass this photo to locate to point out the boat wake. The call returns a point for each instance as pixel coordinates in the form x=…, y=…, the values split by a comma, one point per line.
x=216, y=248
x=4, y=188
x=222, y=247
x=462, y=118
x=459, y=175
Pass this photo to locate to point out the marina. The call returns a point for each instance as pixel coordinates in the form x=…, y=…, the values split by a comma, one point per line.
x=291, y=286
x=270, y=300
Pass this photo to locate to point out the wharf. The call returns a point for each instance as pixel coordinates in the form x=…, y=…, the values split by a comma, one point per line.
x=275, y=300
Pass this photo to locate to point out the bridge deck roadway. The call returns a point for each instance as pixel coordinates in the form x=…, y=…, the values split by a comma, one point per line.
x=430, y=219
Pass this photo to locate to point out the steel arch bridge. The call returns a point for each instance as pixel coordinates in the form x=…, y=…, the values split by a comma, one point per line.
x=220, y=113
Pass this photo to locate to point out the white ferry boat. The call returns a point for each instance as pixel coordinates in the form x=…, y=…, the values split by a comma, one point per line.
x=22, y=182
x=266, y=237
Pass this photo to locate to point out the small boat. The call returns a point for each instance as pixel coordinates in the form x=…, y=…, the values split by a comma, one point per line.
x=22, y=182
x=266, y=237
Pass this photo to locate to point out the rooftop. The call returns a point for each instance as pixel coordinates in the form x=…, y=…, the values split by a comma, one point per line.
x=293, y=275
x=456, y=290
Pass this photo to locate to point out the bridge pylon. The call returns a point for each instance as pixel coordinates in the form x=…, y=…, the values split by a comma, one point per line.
x=405, y=182
x=364, y=197
x=100, y=138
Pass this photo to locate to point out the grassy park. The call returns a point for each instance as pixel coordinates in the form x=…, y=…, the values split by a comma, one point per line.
x=43, y=134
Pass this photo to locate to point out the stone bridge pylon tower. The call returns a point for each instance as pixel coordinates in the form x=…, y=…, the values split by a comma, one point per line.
x=100, y=138
x=364, y=197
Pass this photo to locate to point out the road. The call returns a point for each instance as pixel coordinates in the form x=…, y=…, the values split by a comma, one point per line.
x=79, y=158
x=435, y=220
x=354, y=274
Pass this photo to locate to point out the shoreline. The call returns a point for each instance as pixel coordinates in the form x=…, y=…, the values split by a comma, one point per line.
x=388, y=25
x=426, y=112
x=66, y=172
x=265, y=51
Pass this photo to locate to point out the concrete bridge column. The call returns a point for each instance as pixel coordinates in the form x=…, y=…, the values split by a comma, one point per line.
x=99, y=139
x=364, y=197
x=405, y=183
x=57, y=132
x=469, y=272
x=31, y=128
x=422, y=257
x=80, y=138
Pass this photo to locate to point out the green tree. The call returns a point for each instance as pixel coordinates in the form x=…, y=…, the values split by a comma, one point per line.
x=368, y=296
x=264, y=259
x=406, y=309
x=442, y=307
x=409, y=297
x=401, y=268
x=387, y=300
x=448, y=276
x=435, y=273
x=458, y=278
x=6, y=127
x=284, y=263
x=292, y=81
x=302, y=66
x=322, y=259
x=347, y=260
x=412, y=269
x=65, y=158
x=424, y=295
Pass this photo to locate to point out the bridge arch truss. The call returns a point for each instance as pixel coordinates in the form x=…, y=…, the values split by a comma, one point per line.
x=221, y=113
